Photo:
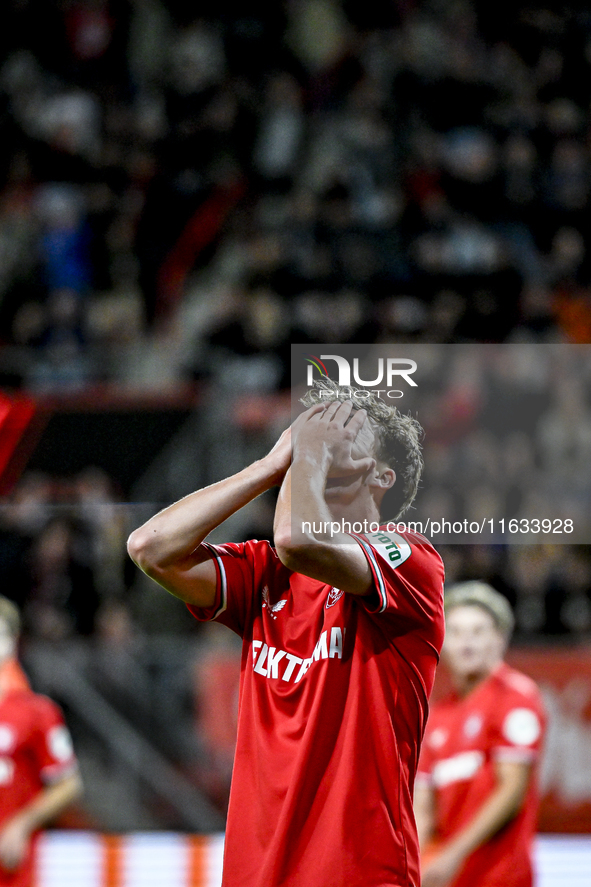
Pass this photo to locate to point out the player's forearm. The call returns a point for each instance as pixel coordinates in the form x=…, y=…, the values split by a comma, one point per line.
x=424, y=830
x=174, y=533
x=424, y=813
x=308, y=539
x=50, y=802
x=500, y=808
x=301, y=507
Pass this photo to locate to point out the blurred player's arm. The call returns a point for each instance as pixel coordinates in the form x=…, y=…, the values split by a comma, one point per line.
x=501, y=806
x=424, y=808
x=168, y=546
x=43, y=809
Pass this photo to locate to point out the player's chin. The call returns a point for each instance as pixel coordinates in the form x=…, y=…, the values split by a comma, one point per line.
x=467, y=665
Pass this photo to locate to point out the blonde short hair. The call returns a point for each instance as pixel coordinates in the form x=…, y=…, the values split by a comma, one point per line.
x=398, y=437
x=480, y=594
x=9, y=612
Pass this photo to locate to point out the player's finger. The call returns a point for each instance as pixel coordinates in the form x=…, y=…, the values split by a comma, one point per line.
x=358, y=419
x=307, y=414
x=366, y=464
x=342, y=412
x=330, y=411
x=316, y=408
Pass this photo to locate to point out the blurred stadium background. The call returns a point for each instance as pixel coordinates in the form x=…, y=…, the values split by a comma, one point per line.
x=186, y=190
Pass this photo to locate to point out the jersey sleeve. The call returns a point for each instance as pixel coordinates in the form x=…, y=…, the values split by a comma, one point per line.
x=51, y=743
x=238, y=565
x=518, y=729
x=408, y=578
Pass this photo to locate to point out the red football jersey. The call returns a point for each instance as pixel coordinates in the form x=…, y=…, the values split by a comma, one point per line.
x=35, y=750
x=333, y=704
x=503, y=718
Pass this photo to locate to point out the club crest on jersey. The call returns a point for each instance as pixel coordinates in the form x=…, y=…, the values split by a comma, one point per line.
x=272, y=608
x=333, y=596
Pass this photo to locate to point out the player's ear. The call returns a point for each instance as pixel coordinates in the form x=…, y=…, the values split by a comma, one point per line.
x=384, y=476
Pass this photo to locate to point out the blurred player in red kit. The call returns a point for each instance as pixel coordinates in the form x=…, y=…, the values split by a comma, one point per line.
x=341, y=626
x=476, y=795
x=38, y=772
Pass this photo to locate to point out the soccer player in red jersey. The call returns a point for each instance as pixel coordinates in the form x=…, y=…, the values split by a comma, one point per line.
x=476, y=794
x=341, y=626
x=38, y=772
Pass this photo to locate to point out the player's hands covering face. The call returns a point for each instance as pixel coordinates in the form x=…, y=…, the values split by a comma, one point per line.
x=335, y=436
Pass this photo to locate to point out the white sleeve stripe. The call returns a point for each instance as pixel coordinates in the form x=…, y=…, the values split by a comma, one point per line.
x=223, y=582
x=378, y=572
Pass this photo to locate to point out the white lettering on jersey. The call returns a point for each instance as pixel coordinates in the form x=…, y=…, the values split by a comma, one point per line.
x=293, y=661
x=256, y=645
x=457, y=768
x=336, y=642
x=273, y=660
x=320, y=649
x=303, y=669
x=267, y=660
x=261, y=660
x=522, y=726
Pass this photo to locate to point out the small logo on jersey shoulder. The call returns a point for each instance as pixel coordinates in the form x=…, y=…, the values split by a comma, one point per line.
x=391, y=547
x=272, y=608
x=7, y=738
x=473, y=726
x=522, y=726
x=334, y=595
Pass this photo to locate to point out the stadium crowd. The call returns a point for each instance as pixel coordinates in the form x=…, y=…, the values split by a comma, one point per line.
x=319, y=171
x=210, y=188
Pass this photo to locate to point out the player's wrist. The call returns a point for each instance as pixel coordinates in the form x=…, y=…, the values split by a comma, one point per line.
x=314, y=460
x=307, y=474
x=272, y=470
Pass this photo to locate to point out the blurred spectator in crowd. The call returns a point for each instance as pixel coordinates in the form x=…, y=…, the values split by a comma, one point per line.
x=63, y=597
x=62, y=544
